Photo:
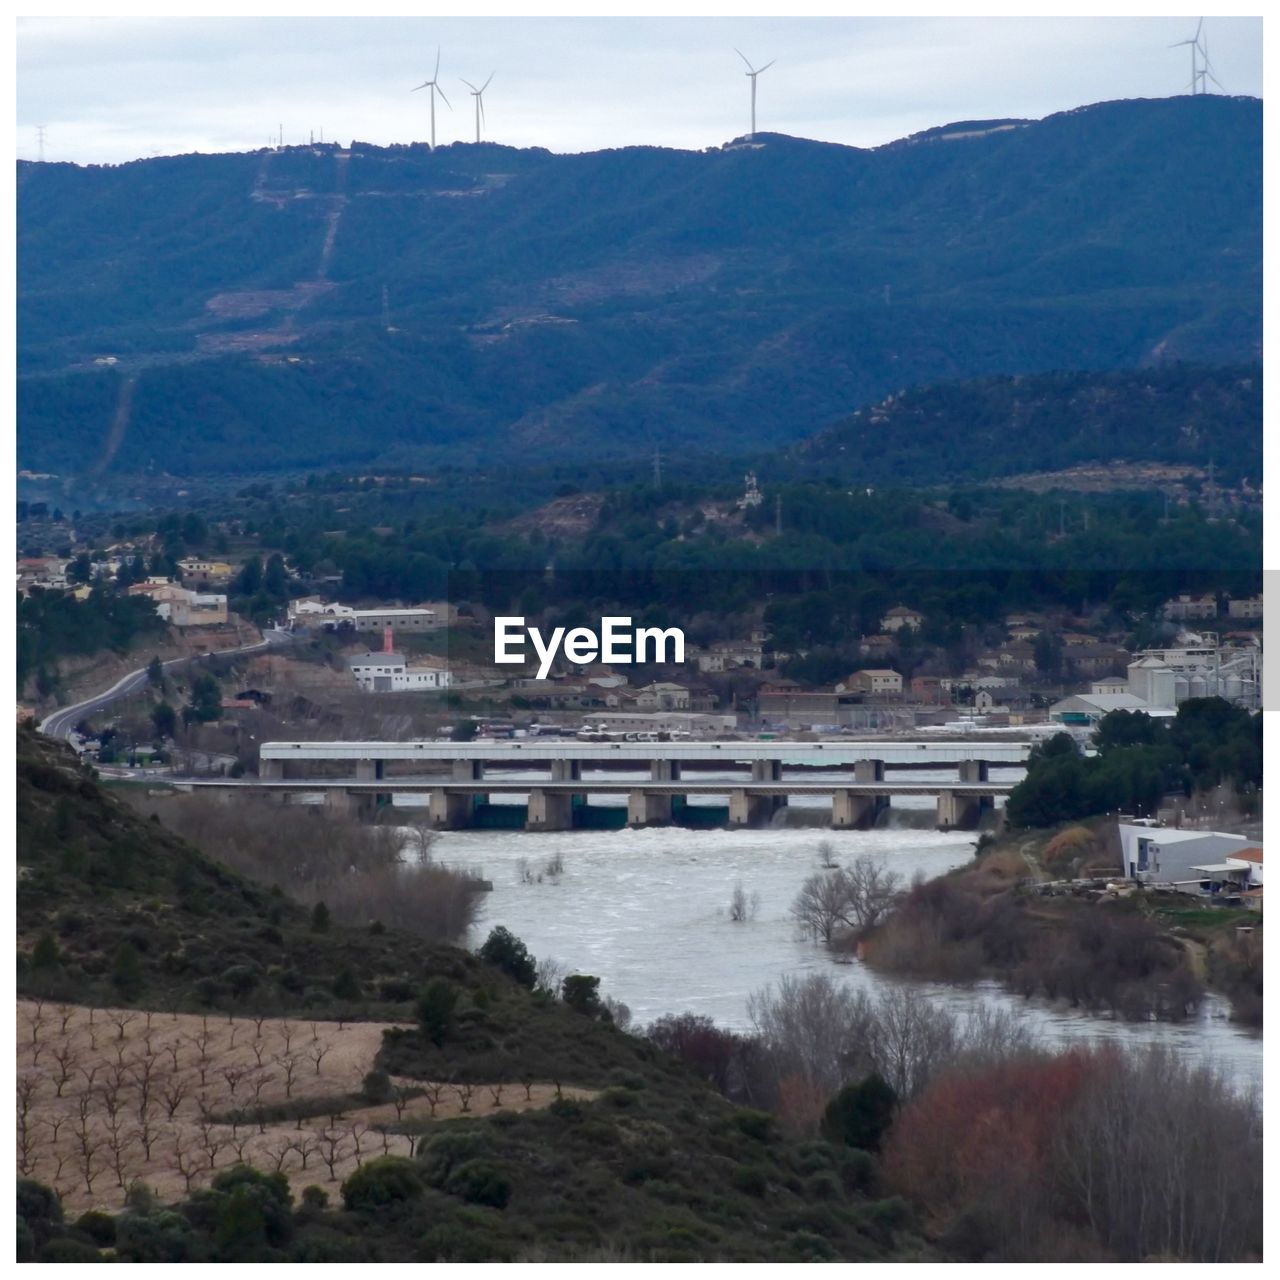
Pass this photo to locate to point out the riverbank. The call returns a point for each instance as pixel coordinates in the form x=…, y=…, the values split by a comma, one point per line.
x=1130, y=953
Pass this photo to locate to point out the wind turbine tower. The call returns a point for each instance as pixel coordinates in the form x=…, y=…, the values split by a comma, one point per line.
x=752, y=72
x=1201, y=72
x=435, y=88
x=478, y=95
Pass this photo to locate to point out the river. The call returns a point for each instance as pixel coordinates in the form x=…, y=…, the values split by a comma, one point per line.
x=648, y=912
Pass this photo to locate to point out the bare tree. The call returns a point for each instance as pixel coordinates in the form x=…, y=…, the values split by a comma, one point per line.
x=68, y=1060
x=465, y=1093
x=855, y=898
x=316, y=1052
x=742, y=907
x=233, y=1075
x=28, y=1087
x=434, y=1091
x=122, y=1020
x=400, y=1097
x=289, y=1065
x=495, y=1092
x=329, y=1142
x=172, y=1091
x=65, y=1013
x=146, y=1079
x=211, y=1142
x=186, y=1162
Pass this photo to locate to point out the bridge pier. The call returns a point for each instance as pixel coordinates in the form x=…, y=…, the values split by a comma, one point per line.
x=854, y=809
x=749, y=810
x=566, y=771
x=468, y=770
x=369, y=770
x=549, y=811
x=355, y=804
x=961, y=811
x=975, y=771
x=664, y=770
x=448, y=811
x=645, y=809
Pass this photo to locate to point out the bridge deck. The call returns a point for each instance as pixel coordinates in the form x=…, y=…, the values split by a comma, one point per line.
x=592, y=785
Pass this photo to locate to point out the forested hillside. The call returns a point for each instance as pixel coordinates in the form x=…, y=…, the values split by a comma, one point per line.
x=602, y=304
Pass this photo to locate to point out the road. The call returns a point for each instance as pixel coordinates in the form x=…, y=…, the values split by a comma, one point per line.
x=63, y=721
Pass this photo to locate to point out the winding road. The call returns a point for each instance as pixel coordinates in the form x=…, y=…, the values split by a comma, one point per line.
x=61, y=723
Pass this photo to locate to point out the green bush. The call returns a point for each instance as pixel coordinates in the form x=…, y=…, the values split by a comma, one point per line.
x=436, y=1010
x=386, y=1180
x=750, y=1179
x=441, y=1154
x=755, y=1124
x=67, y=1249
x=860, y=1113
x=505, y=951
x=376, y=1087
x=98, y=1226
x=480, y=1183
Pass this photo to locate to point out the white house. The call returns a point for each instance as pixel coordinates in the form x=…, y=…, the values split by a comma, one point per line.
x=390, y=673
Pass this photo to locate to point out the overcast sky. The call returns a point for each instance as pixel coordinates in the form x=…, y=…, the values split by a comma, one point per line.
x=118, y=88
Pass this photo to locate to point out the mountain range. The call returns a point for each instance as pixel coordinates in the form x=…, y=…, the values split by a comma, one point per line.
x=320, y=306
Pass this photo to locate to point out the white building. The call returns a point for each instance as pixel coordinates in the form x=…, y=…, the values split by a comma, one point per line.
x=1250, y=608
x=390, y=673
x=1170, y=856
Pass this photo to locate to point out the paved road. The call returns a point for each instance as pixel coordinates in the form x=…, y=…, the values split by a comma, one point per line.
x=63, y=721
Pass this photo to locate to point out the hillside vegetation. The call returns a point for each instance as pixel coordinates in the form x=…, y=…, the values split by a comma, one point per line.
x=601, y=304
x=114, y=911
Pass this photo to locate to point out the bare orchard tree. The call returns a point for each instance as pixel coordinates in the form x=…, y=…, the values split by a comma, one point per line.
x=28, y=1087
x=742, y=907
x=854, y=898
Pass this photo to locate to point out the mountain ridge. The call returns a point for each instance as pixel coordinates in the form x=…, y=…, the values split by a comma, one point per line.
x=385, y=302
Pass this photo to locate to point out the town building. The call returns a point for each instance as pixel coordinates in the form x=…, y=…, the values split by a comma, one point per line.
x=389, y=672
x=1191, y=608
x=1186, y=859
x=876, y=682
x=1250, y=608
x=899, y=617
x=205, y=573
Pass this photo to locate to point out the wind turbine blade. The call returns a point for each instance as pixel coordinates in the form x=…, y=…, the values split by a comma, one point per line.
x=436, y=76
x=1199, y=26
x=423, y=85
x=767, y=65
x=750, y=69
x=1215, y=80
x=440, y=91
x=469, y=85
x=486, y=84
x=483, y=118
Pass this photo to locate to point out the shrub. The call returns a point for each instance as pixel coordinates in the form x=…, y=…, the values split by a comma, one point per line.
x=66, y=1249
x=436, y=1008
x=755, y=1124
x=443, y=1153
x=98, y=1226
x=505, y=951
x=45, y=954
x=860, y=1113
x=480, y=1183
x=386, y=1180
x=581, y=993
x=750, y=1179
x=376, y=1087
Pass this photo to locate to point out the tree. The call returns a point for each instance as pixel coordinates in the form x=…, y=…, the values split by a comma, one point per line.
x=206, y=701
x=859, y=1114
x=164, y=719
x=45, y=954
x=435, y=1009
x=320, y=918
x=155, y=672
x=126, y=970
x=581, y=993
x=505, y=951
x=854, y=898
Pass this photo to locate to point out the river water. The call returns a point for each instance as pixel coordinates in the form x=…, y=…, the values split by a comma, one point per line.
x=648, y=912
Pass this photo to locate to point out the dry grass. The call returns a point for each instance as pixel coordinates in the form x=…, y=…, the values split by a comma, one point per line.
x=107, y=1097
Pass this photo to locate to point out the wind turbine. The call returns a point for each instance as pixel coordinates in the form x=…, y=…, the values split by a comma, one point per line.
x=1194, y=43
x=1205, y=69
x=753, y=72
x=435, y=88
x=478, y=95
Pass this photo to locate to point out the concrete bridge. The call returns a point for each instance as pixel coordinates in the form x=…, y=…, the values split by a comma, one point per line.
x=856, y=800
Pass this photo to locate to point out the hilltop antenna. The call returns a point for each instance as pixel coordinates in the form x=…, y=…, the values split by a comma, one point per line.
x=752, y=72
x=40, y=142
x=478, y=95
x=435, y=88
